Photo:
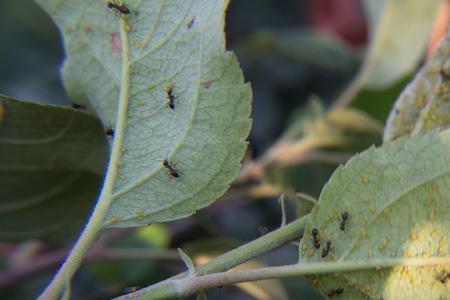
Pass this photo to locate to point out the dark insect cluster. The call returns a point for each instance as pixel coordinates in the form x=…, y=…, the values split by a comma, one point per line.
x=171, y=169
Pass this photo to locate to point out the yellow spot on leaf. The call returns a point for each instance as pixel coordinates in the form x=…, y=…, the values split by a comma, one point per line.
x=434, y=185
x=431, y=215
x=115, y=219
x=383, y=245
x=365, y=180
x=139, y=213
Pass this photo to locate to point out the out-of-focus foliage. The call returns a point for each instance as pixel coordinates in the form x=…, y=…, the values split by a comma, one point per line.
x=315, y=144
x=51, y=164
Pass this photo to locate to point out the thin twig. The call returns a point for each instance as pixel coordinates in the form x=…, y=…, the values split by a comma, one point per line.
x=190, y=285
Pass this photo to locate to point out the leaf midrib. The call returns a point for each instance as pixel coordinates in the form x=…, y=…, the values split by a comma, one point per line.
x=150, y=174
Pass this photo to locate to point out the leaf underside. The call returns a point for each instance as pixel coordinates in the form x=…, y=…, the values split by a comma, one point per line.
x=400, y=33
x=51, y=166
x=397, y=203
x=176, y=42
x=425, y=103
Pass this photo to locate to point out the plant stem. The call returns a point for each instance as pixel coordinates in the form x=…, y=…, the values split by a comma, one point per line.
x=190, y=285
x=95, y=223
x=254, y=248
x=235, y=257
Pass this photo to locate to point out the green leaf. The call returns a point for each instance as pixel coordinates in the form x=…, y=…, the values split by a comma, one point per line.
x=123, y=69
x=187, y=261
x=399, y=31
x=396, y=198
x=424, y=105
x=51, y=165
x=304, y=203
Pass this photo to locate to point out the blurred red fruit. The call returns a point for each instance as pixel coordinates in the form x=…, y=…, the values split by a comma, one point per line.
x=440, y=26
x=343, y=18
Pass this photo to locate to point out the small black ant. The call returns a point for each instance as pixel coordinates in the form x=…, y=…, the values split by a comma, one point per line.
x=335, y=292
x=445, y=278
x=170, y=96
x=344, y=217
x=119, y=7
x=315, y=234
x=170, y=169
x=191, y=23
x=326, y=250
x=78, y=105
x=109, y=131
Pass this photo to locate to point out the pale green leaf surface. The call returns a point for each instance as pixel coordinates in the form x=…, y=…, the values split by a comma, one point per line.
x=425, y=103
x=52, y=161
x=397, y=200
x=181, y=42
x=399, y=31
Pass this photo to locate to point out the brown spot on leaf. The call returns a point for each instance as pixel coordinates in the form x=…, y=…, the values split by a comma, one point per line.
x=116, y=44
x=191, y=23
x=207, y=84
x=86, y=27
